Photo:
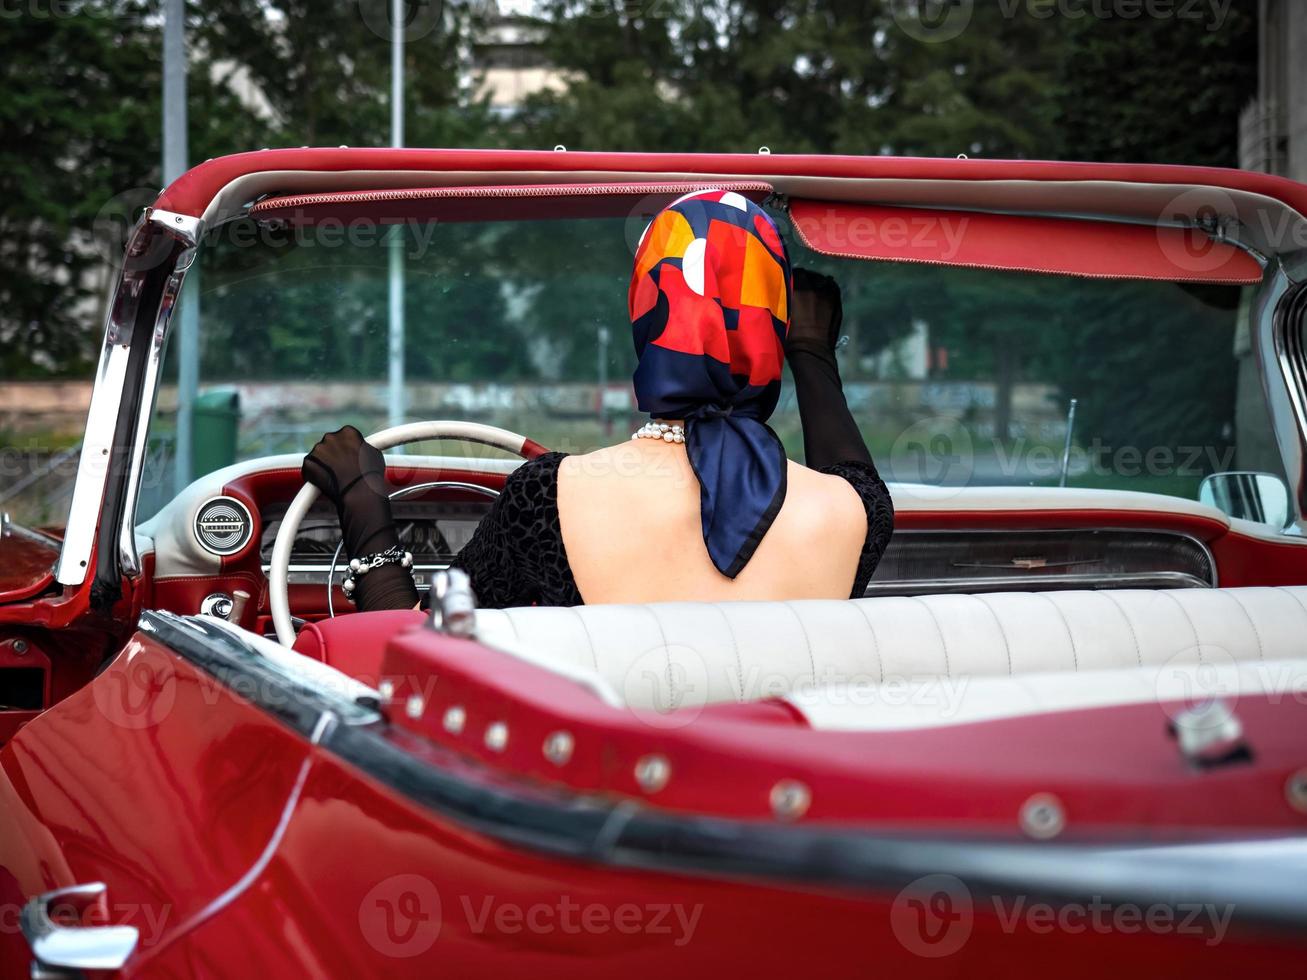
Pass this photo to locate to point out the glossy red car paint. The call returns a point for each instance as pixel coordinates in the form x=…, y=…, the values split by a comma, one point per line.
x=1116, y=769
x=28, y=566
x=194, y=191
x=244, y=865
x=1056, y=246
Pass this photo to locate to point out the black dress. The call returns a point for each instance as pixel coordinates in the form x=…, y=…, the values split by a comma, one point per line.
x=516, y=556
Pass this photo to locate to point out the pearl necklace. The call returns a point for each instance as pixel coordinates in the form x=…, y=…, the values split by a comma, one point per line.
x=660, y=430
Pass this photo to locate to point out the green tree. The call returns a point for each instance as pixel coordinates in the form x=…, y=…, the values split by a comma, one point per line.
x=70, y=140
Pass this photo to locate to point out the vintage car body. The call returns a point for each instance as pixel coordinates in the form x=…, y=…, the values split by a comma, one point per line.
x=401, y=796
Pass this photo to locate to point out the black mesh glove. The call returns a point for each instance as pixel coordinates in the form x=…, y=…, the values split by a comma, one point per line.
x=351, y=473
x=830, y=435
x=818, y=312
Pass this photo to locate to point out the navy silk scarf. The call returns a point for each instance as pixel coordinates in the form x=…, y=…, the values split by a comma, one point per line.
x=710, y=307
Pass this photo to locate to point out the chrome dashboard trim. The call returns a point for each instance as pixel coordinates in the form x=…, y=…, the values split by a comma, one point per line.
x=397, y=495
x=1034, y=583
x=1215, y=583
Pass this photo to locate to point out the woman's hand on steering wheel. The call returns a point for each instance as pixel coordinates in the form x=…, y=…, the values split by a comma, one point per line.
x=351, y=473
x=342, y=459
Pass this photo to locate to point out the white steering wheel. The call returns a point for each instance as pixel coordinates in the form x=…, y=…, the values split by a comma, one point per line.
x=278, y=573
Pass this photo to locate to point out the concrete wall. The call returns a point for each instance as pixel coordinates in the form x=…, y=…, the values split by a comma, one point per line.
x=1273, y=130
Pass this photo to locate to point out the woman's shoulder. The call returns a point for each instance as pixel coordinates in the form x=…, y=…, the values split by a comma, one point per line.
x=844, y=492
x=825, y=497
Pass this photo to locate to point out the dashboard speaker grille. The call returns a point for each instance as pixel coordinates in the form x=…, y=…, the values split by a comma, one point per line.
x=223, y=526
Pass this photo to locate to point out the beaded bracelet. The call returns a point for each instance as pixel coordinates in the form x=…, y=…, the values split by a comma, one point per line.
x=358, y=567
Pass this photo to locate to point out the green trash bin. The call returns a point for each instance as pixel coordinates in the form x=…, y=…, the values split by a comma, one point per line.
x=215, y=418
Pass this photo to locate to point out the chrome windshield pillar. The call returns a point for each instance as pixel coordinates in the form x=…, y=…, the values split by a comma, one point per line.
x=160, y=249
x=1279, y=350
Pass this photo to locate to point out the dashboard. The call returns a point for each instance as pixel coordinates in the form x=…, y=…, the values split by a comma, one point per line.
x=946, y=540
x=433, y=531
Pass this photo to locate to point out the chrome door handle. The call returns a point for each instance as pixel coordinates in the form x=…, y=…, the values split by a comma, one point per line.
x=57, y=948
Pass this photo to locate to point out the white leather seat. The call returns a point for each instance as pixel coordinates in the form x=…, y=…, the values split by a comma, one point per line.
x=681, y=654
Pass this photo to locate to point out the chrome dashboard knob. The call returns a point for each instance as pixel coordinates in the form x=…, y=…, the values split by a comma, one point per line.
x=216, y=604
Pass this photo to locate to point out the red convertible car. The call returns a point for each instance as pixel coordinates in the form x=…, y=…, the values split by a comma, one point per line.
x=1064, y=733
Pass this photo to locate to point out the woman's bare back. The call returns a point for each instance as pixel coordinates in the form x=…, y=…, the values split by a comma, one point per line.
x=631, y=528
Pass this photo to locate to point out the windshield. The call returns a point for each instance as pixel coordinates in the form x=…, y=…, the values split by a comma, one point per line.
x=958, y=377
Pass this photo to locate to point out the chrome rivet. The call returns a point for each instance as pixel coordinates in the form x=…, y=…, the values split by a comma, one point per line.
x=1295, y=790
x=1042, y=816
x=414, y=706
x=386, y=689
x=1209, y=731
x=652, y=772
x=20, y=647
x=454, y=720
x=790, y=799
x=558, y=748
x=496, y=736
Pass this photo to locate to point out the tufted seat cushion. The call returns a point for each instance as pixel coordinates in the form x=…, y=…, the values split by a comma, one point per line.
x=668, y=654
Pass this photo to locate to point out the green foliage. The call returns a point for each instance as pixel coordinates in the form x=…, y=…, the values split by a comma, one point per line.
x=61, y=158
x=80, y=125
x=1157, y=91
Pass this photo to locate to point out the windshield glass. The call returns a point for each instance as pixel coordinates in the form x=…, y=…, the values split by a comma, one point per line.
x=959, y=377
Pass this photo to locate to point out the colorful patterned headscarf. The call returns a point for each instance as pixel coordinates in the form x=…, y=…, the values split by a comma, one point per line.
x=710, y=307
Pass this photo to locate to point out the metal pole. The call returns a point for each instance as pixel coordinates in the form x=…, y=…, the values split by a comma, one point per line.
x=175, y=152
x=1066, y=451
x=396, y=296
x=603, y=378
